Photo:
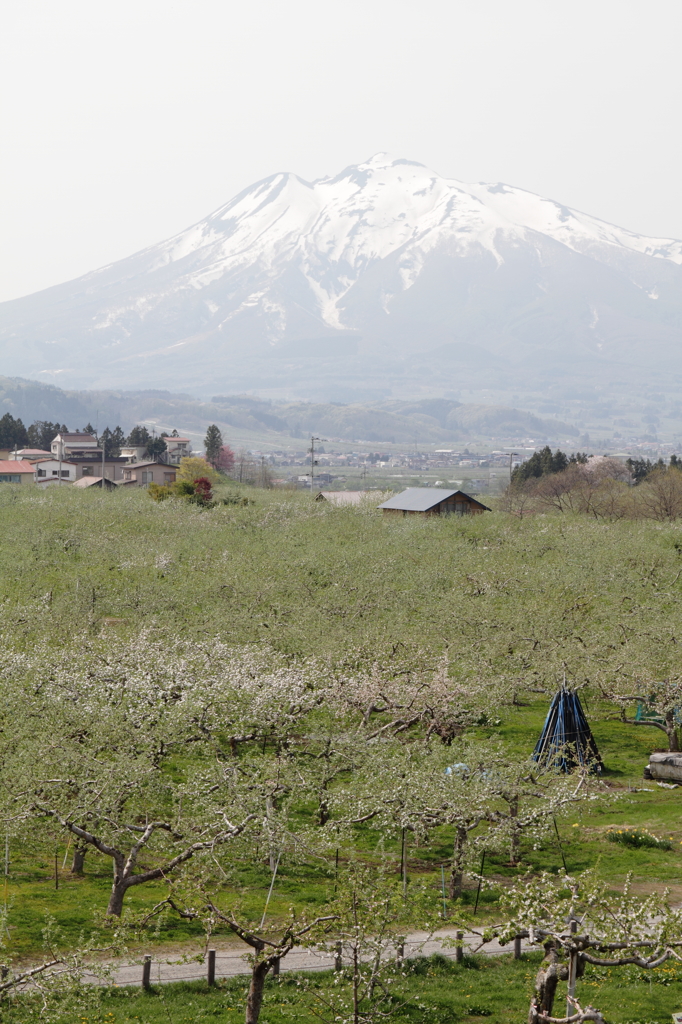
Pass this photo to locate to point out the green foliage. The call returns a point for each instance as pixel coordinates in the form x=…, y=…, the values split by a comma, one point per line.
x=641, y=468
x=638, y=838
x=545, y=463
x=138, y=436
x=112, y=441
x=13, y=433
x=198, y=492
x=156, y=446
x=192, y=468
x=213, y=443
x=42, y=433
x=159, y=492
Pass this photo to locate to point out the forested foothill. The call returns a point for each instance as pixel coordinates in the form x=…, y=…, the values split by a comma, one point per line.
x=282, y=723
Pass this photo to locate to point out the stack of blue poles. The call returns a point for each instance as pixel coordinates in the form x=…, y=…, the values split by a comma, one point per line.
x=566, y=741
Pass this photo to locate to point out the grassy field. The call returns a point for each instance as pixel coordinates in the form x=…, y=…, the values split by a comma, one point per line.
x=77, y=902
x=519, y=602
x=528, y=599
x=435, y=991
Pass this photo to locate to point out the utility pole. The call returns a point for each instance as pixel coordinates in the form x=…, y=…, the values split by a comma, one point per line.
x=103, y=450
x=511, y=456
x=311, y=451
x=60, y=445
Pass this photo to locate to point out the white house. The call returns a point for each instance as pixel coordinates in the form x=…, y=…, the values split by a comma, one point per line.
x=48, y=470
x=72, y=444
x=177, y=448
x=134, y=452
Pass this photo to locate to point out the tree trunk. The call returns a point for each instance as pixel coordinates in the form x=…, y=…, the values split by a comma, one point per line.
x=254, y=999
x=323, y=811
x=671, y=731
x=269, y=813
x=514, y=843
x=78, y=859
x=118, y=891
x=457, y=864
x=547, y=979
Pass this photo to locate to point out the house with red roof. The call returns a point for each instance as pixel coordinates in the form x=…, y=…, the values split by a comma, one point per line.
x=16, y=471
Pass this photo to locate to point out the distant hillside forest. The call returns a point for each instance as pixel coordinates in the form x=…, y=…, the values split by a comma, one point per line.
x=429, y=420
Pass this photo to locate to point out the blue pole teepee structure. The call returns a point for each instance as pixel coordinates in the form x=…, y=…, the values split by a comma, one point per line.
x=566, y=740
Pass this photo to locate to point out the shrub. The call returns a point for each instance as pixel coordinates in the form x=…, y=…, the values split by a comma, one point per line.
x=197, y=491
x=159, y=492
x=192, y=468
x=638, y=837
x=203, y=495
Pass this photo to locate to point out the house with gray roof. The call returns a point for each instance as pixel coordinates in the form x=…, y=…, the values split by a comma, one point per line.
x=433, y=501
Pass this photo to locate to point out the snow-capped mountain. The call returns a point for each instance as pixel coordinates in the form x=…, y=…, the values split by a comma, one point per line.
x=384, y=275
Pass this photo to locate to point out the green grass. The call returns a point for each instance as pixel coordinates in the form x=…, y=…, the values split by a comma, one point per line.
x=436, y=991
x=583, y=833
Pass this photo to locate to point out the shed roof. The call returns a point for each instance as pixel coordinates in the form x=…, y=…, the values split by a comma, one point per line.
x=145, y=465
x=94, y=481
x=421, y=499
x=348, y=497
x=16, y=466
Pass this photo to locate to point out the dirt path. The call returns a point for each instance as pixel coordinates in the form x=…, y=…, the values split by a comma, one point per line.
x=230, y=960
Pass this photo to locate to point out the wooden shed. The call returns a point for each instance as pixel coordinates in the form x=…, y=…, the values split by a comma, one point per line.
x=432, y=501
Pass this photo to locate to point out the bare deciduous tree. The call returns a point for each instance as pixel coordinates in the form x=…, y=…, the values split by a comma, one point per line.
x=580, y=920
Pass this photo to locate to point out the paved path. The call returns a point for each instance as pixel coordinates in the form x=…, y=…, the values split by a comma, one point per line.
x=230, y=960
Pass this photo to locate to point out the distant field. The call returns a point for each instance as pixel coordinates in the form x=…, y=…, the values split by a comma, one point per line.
x=529, y=599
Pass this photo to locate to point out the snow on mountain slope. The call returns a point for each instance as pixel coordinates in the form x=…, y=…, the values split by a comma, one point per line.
x=369, y=211
x=387, y=254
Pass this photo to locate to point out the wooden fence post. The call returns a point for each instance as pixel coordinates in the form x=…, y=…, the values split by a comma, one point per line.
x=459, y=951
x=275, y=967
x=147, y=971
x=338, y=957
x=211, y=967
x=517, y=947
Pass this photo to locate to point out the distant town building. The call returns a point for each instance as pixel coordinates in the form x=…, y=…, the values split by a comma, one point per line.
x=16, y=471
x=141, y=474
x=73, y=444
x=30, y=454
x=51, y=470
x=134, y=452
x=177, y=448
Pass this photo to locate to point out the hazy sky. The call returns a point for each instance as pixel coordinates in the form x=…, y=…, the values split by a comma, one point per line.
x=123, y=122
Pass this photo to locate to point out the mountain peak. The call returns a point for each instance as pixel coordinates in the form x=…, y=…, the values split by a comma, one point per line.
x=387, y=253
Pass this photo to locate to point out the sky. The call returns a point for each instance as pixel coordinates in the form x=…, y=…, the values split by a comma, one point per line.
x=124, y=122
